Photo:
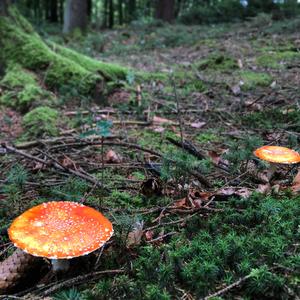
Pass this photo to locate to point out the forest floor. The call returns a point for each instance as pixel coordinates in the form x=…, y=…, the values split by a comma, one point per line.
x=202, y=219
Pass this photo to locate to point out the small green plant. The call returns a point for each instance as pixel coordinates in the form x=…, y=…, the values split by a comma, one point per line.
x=177, y=164
x=72, y=294
x=218, y=62
x=102, y=129
x=241, y=150
x=251, y=80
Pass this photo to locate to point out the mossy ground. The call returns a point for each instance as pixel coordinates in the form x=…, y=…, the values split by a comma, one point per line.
x=203, y=251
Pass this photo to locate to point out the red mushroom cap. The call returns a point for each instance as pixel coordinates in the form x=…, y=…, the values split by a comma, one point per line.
x=60, y=229
x=278, y=154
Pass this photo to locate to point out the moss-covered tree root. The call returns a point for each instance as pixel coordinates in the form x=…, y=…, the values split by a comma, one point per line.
x=54, y=65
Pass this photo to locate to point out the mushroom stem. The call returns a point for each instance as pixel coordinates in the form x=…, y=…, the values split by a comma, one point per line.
x=60, y=265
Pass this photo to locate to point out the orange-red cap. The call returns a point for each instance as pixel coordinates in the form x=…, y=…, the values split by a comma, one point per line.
x=60, y=229
x=278, y=154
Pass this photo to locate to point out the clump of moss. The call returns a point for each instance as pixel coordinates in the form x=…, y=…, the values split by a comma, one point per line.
x=41, y=121
x=21, y=89
x=277, y=59
x=218, y=62
x=252, y=80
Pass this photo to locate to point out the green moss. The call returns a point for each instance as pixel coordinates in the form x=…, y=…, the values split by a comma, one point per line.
x=107, y=70
x=218, y=62
x=41, y=121
x=277, y=59
x=21, y=89
x=272, y=118
x=207, y=137
x=252, y=80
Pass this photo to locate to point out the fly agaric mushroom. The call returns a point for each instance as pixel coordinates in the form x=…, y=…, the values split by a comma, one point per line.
x=60, y=230
x=278, y=155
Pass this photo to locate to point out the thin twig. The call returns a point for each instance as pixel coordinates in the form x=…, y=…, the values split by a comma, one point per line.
x=227, y=288
x=79, y=279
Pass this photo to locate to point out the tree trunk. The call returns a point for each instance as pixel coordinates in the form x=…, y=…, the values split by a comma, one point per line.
x=4, y=7
x=165, y=10
x=131, y=10
x=75, y=16
x=53, y=15
x=89, y=9
x=120, y=11
x=111, y=14
x=105, y=14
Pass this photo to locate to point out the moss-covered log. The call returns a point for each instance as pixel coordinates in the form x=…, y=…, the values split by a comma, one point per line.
x=54, y=65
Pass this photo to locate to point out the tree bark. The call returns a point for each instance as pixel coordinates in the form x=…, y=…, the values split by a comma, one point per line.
x=131, y=10
x=120, y=11
x=111, y=14
x=165, y=10
x=53, y=11
x=4, y=7
x=75, y=16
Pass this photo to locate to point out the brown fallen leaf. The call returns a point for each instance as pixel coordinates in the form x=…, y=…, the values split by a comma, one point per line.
x=113, y=157
x=160, y=121
x=296, y=183
x=263, y=188
x=149, y=235
x=182, y=203
x=198, y=124
x=135, y=236
x=228, y=192
x=67, y=162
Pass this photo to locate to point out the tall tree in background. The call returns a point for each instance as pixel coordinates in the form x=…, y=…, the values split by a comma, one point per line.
x=3, y=7
x=111, y=19
x=165, y=10
x=52, y=11
x=131, y=10
x=120, y=11
x=75, y=15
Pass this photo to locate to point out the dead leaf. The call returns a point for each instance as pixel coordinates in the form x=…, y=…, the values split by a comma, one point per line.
x=240, y=63
x=296, y=183
x=149, y=235
x=228, y=192
x=135, y=236
x=68, y=163
x=160, y=121
x=236, y=89
x=159, y=129
x=182, y=203
x=263, y=188
x=198, y=124
x=112, y=157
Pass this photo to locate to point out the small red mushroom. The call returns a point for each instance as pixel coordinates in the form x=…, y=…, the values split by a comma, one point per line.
x=277, y=154
x=59, y=231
